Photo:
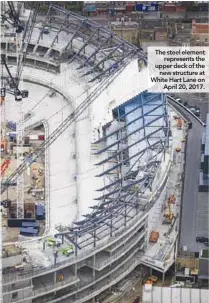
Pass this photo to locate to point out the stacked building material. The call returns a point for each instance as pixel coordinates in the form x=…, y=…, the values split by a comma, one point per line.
x=11, y=125
x=28, y=231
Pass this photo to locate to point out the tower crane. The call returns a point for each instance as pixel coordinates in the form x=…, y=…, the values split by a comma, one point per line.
x=64, y=125
x=99, y=88
x=12, y=17
x=23, y=36
x=27, y=30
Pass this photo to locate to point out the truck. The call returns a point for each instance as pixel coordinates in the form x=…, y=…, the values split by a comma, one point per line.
x=152, y=280
x=179, y=123
x=154, y=235
x=54, y=242
x=67, y=251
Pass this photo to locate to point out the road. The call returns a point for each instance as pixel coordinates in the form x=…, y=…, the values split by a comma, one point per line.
x=200, y=100
x=190, y=195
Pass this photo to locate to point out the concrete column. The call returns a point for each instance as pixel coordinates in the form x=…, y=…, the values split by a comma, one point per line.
x=94, y=261
x=76, y=269
x=35, y=48
x=55, y=280
x=48, y=52
x=163, y=277
x=44, y=245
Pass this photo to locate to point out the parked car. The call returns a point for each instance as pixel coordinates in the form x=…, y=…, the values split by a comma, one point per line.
x=202, y=239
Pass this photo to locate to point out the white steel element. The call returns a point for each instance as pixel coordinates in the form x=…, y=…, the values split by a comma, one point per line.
x=20, y=138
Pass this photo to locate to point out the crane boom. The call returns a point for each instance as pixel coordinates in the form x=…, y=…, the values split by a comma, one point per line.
x=64, y=125
x=26, y=37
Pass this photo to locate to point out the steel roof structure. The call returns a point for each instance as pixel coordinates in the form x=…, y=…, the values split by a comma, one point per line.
x=102, y=51
x=120, y=199
x=101, y=56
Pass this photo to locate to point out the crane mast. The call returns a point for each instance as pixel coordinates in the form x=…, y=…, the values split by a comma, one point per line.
x=20, y=138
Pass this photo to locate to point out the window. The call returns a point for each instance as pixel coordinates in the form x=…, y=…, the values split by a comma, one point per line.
x=14, y=295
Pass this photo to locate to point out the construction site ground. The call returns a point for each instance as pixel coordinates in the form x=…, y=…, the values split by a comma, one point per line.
x=133, y=286
x=36, y=170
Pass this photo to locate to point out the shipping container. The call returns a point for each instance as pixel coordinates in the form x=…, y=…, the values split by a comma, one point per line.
x=28, y=231
x=40, y=211
x=41, y=137
x=30, y=224
x=17, y=222
x=11, y=125
x=12, y=136
x=33, y=137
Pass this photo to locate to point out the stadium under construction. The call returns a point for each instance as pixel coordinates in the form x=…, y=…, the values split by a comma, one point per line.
x=91, y=169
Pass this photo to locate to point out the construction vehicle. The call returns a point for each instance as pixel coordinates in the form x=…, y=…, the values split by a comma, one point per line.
x=53, y=242
x=179, y=123
x=152, y=280
x=67, y=251
x=175, y=117
x=172, y=199
x=154, y=235
x=168, y=217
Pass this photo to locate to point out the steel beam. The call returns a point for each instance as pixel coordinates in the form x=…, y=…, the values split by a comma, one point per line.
x=123, y=127
x=95, y=52
x=132, y=157
x=131, y=53
x=84, y=45
x=130, y=134
x=75, y=34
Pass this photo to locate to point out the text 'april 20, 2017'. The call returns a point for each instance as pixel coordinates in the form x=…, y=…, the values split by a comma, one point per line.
x=178, y=69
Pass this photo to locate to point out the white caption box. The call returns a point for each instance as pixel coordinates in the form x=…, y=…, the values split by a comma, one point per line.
x=178, y=69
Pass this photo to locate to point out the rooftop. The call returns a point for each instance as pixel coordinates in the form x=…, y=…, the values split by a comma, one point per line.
x=200, y=28
x=174, y=295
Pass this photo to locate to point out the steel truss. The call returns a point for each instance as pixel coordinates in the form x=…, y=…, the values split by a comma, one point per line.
x=101, y=51
x=105, y=58
x=121, y=200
